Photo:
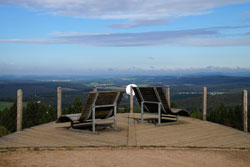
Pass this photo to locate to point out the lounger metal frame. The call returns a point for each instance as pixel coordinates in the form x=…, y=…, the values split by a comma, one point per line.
x=94, y=106
x=159, y=103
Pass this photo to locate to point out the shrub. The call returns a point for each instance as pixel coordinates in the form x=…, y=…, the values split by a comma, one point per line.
x=37, y=113
x=195, y=113
x=8, y=118
x=229, y=117
x=3, y=131
x=74, y=108
x=173, y=104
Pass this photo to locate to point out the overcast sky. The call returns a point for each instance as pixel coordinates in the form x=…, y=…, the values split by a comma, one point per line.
x=117, y=36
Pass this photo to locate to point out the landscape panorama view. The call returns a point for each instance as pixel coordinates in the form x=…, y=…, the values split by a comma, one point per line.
x=125, y=83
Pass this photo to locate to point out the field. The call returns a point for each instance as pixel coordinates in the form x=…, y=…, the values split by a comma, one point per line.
x=4, y=105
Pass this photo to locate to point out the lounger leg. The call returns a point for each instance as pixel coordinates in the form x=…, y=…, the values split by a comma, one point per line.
x=93, y=120
x=159, y=113
x=71, y=124
x=115, y=110
x=177, y=118
x=142, y=112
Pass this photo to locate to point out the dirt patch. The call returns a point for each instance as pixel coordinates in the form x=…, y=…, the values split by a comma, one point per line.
x=126, y=157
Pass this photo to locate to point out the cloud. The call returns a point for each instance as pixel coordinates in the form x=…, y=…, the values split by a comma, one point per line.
x=202, y=37
x=216, y=42
x=142, y=23
x=151, y=70
x=136, y=11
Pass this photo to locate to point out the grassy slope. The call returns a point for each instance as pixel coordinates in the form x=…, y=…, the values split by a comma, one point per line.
x=4, y=105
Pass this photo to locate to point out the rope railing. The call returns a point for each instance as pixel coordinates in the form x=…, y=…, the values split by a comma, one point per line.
x=20, y=116
x=24, y=114
x=236, y=116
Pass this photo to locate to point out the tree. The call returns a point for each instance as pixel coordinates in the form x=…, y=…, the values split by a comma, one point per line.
x=78, y=106
x=235, y=117
x=218, y=114
x=49, y=115
x=37, y=113
x=229, y=117
x=195, y=113
x=8, y=118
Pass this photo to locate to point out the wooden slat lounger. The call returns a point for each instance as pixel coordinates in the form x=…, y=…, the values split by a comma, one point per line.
x=99, y=106
x=153, y=100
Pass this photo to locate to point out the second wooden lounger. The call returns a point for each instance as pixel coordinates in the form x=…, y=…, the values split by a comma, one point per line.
x=153, y=100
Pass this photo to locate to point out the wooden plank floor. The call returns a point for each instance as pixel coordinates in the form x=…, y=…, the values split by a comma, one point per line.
x=187, y=132
x=59, y=135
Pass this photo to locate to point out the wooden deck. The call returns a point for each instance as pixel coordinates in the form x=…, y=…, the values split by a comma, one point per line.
x=187, y=132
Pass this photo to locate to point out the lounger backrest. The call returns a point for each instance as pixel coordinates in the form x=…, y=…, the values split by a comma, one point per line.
x=106, y=98
x=167, y=108
x=139, y=97
x=101, y=99
x=156, y=94
x=88, y=105
x=148, y=94
x=164, y=99
x=120, y=98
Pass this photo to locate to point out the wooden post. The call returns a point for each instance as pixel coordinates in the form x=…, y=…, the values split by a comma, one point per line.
x=168, y=95
x=94, y=89
x=19, y=110
x=59, y=102
x=245, y=126
x=131, y=100
x=204, y=113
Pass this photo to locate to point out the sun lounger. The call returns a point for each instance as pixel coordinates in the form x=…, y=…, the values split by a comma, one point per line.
x=153, y=100
x=99, y=106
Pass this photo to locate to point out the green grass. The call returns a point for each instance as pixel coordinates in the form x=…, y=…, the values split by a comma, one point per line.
x=5, y=150
x=4, y=105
